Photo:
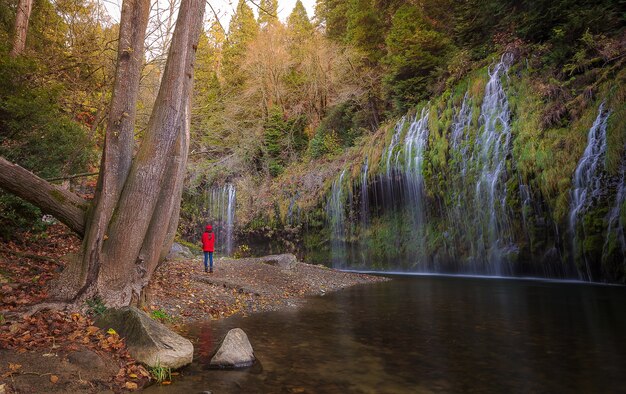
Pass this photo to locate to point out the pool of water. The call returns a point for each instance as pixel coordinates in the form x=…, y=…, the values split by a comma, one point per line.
x=428, y=334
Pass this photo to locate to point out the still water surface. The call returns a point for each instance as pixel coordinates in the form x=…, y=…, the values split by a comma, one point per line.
x=428, y=334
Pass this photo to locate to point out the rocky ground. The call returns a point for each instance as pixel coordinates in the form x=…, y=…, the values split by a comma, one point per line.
x=62, y=351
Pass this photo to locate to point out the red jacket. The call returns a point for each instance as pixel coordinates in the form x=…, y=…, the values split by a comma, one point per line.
x=208, y=242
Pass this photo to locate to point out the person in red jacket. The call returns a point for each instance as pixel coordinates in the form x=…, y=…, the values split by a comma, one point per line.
x=208, y=246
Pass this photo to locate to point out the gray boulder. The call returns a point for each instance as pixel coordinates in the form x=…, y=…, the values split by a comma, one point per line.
x=178, y=251
x=148, y=341
x=285, y=261
x=234, y=352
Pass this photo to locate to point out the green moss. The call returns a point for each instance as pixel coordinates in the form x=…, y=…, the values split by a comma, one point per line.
x=58, y=196
x=192, y=246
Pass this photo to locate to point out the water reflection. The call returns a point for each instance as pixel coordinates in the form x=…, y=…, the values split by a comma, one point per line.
x=429, y=334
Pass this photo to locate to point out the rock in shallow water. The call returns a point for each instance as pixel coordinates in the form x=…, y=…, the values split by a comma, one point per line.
x=148, y=341
x=234, y=352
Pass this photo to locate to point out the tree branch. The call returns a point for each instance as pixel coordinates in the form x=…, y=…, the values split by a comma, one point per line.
x=217, y=18
x=64, y=178
x=62, y=204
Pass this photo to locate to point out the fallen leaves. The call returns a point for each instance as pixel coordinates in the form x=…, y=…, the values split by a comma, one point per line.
x=26, y=268
x=69, y=332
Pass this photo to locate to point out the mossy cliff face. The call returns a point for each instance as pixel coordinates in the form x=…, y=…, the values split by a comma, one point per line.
x=490, y=190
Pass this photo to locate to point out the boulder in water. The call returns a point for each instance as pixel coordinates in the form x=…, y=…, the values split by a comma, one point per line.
x=234, y=352
x=148, y=341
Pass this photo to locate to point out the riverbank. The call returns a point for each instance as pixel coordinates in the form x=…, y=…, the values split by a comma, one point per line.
x=182, y=292
x=62, y=351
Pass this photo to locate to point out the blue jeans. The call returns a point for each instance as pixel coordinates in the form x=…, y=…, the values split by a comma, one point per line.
x=208, y=256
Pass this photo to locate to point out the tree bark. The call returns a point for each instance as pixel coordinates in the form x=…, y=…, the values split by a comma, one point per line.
x=24, y=7
x=62, y=204
x=123, y=223
x=118, y=149
x=162, y=229
x=129, y=226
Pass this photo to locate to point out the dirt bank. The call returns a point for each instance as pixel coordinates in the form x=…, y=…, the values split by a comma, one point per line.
x=186, y=293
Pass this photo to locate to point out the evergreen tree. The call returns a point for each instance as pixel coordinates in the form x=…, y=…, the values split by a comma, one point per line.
x=268, y=12
x=363, y=29
x=242, y=30
x=331, y=16
x=415, y=52
x=298, y=22
x=208, y=95
x=283, y=139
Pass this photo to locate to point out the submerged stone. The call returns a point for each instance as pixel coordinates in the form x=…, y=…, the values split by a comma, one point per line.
x=234, y=352
x=148, y=341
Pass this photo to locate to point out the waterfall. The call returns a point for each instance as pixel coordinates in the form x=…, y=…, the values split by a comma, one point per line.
x=364, y=213
x=293, y=211
x=365, y=209
x=491, y=151
x=587, y=180
x=221, y=214
x=397, y=192
x=482, y=216
x=335, y=212
x=589, y=177
x=460, y=226
x=459, y=135
x=389, y=151
x=415, y=143
x=414, y=147
x=230, y=218
x=391, y=157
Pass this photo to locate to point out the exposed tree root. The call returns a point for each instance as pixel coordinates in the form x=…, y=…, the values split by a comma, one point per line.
x=30, y=310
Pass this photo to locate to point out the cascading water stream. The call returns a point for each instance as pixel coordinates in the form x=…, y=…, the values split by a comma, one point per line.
x=390, y=156
x=365, y=208
x=293, y=211
x=222, y=206
x=230, y=218
x=492, y=149
x=364, y=211
x=335, y=211
x=588, y=179
x=459, y=135
x=460, y=226
x=415, y=143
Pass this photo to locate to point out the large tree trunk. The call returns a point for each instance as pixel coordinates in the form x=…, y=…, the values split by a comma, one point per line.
x=24, y=7
x=137, y=202
x=162, y=228
x=143, y=189
x=118, y=148
x=62, y=204
x=119, y=260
